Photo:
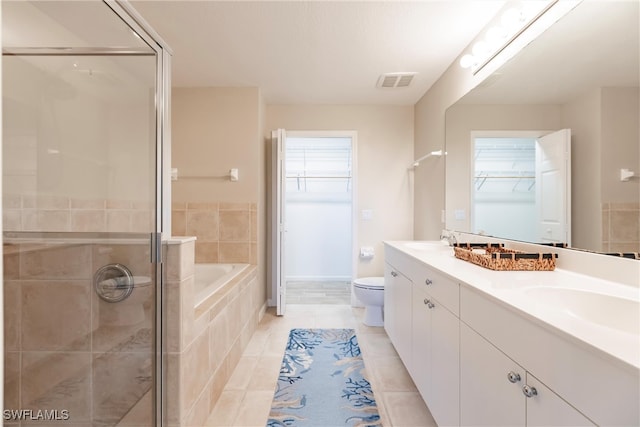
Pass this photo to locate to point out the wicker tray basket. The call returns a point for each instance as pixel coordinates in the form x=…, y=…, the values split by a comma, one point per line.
x=497, y=257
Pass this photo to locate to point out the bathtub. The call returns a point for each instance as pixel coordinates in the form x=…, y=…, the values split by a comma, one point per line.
x=211, y=277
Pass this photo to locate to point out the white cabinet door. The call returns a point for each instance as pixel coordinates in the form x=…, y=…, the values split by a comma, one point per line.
x=421, y=346
x=389, y=302
x=487, y=396
x=546, y=408
x=444, y=402
x=397, y=311
x=435, y=356
x=492, y=390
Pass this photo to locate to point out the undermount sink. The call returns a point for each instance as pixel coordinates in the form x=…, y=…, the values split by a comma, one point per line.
x=426, y=246
x=611, y=311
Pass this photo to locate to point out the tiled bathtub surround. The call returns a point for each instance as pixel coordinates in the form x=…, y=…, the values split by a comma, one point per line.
x=225, y=232
x=66, y=349
x=58, y=213
x=204, y=342
x=621, y=227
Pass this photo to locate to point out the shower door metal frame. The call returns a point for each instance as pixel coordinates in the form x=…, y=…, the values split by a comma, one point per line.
x=162, y=53
x=163, y=89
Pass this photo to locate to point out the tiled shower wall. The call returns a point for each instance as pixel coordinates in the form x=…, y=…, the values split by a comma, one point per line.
x=225, y=232
x=621, y=227
x=65, y=348
x=59, y=213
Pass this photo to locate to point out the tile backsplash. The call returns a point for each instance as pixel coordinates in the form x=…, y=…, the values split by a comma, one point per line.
x=60, y=213
x=621, y=227
x=225, y=232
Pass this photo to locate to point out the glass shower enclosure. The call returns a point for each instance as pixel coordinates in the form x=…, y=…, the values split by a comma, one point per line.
x=84, y=87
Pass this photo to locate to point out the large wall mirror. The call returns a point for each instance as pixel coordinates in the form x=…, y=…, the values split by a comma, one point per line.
x=579, y=83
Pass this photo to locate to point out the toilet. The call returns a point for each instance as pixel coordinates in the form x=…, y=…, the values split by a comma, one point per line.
x=370, y=291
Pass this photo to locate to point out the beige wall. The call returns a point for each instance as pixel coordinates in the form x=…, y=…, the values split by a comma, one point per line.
x=214, y=130
x=620, y=143
x=582, y=116
x=606, y=138
x=384, y=153
x=429, y=189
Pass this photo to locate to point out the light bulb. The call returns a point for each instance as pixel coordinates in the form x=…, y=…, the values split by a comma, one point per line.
x=467, y=61
x=496, y=35
x=480, y=48
x=512, y=18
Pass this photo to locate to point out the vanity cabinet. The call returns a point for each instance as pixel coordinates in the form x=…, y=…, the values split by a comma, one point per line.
x=397, y=311
x=435, y=355
x=575, y=385
x=496, y=391
x=479, y=360
x=421, y=320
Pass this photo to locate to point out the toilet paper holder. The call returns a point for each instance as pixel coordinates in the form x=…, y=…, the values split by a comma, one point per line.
x=367, y=252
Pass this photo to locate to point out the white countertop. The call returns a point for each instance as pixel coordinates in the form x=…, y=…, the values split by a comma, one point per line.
x=514, y=289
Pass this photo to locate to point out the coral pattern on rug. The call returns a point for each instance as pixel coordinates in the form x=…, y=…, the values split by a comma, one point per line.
x=323, y=382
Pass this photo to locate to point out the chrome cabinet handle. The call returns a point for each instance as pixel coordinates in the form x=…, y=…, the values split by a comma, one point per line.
x=428, y=282
x=394, y=274
x=529, y=391
x=513, y=377
x=428, y=303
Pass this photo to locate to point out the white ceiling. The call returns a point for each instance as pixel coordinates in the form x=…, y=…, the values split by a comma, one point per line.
x=316, y=52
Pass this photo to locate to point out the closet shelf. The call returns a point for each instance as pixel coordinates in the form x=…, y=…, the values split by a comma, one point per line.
x=505, y=177
x=318, y=177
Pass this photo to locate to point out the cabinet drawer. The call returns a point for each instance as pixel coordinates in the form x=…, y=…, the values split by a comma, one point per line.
x=604, y=390
x=439, y=286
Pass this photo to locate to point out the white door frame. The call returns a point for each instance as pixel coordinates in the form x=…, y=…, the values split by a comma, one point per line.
x=354, y=188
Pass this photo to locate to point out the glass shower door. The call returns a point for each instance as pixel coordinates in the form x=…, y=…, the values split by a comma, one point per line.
x=80, y=185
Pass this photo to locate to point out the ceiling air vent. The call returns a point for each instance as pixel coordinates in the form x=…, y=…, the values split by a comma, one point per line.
x=393, y=80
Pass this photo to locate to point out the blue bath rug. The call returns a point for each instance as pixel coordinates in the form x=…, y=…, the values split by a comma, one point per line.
x=323, y=382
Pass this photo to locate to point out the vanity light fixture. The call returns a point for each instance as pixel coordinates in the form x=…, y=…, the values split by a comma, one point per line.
x=513, y=22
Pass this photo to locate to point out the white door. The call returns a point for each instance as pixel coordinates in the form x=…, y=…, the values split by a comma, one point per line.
x=278, y=138
x=553, y=187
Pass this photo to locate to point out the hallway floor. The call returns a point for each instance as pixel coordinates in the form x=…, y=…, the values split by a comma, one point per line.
x=246, y=399
x=318, y=292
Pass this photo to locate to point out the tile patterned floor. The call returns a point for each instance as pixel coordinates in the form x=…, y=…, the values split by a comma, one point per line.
x=246, y=399
x=316, y=292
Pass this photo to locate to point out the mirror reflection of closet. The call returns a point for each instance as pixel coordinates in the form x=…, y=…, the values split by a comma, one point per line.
x=522, y=185
x=503, y=190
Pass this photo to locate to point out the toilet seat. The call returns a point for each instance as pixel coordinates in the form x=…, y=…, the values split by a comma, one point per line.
x=373, y=283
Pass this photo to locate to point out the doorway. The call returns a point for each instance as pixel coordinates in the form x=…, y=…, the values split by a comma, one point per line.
x=318, y=207
x=317, y=218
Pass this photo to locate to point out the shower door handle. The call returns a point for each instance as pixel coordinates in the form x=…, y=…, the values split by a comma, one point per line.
x=156, y=248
